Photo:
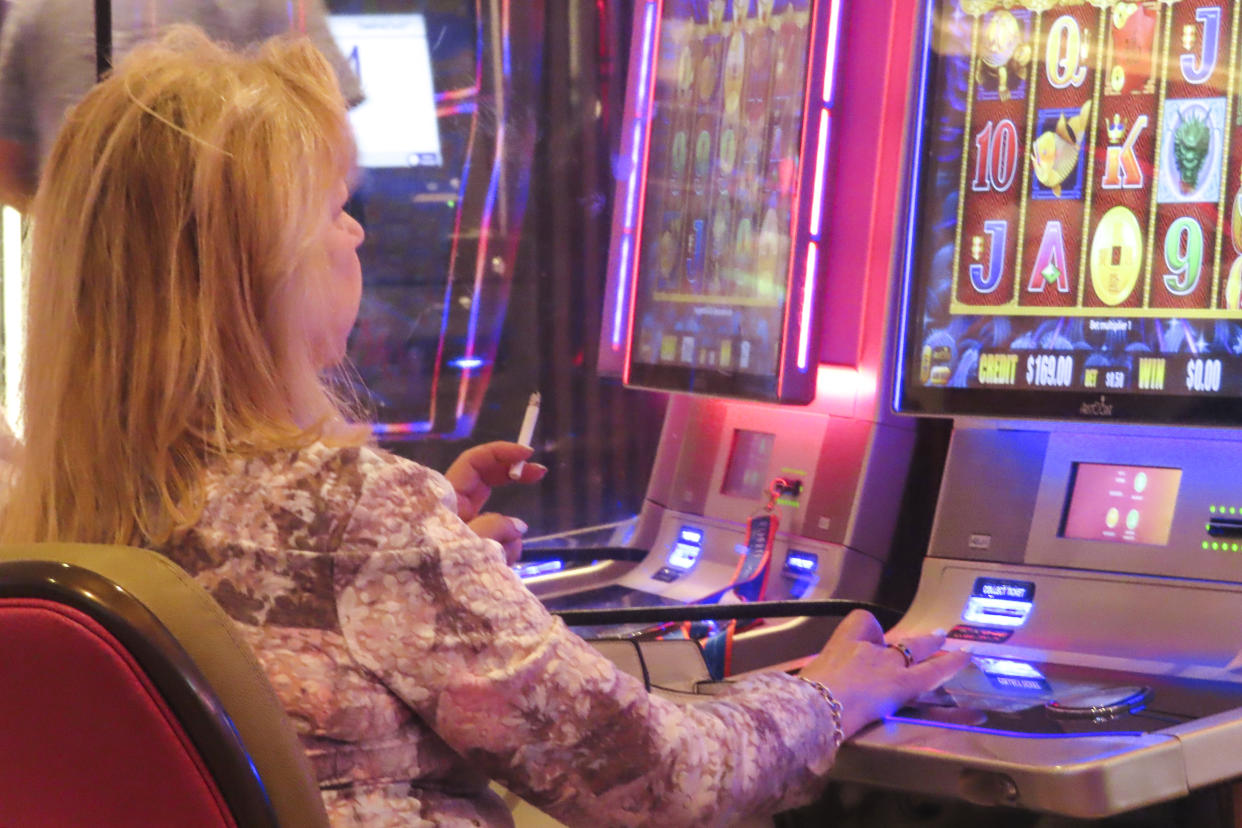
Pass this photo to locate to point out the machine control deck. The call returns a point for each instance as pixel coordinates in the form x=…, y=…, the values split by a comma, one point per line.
x=1024, y=698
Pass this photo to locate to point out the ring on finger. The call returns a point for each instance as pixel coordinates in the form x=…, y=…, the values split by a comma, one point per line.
x=904, y=650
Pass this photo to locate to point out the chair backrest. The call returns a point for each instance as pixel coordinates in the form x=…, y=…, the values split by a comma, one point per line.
x=128, y=697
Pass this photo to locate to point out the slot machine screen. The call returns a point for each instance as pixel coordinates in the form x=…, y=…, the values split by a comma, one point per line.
x=1076, y=235
x=720, y=200
x=396, y=125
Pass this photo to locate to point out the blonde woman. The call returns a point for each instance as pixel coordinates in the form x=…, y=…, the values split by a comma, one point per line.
x=193, y=276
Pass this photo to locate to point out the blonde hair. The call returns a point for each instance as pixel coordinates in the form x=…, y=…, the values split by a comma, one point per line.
x=173, y=263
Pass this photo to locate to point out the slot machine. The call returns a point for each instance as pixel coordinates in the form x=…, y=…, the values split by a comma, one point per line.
x=444, y=156
x=1071, y=299
x=752, y=253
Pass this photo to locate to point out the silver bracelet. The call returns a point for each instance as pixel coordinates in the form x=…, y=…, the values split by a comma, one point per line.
x=838, y=735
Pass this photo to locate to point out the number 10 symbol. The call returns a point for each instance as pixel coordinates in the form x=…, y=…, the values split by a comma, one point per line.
x=996, y=157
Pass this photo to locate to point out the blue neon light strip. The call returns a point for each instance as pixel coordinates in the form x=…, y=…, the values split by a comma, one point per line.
x=638, y=134
x=907, y=267
x=640, y=117
x=618, y=314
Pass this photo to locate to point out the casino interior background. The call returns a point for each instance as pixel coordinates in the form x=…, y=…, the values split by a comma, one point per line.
x=534, y=324
x=484, y=265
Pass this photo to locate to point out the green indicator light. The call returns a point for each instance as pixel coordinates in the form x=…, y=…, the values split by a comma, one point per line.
x=1205, y=544
x=1212, y=509
x=1216, y=546
x=1235, y=547
x=1233, y=510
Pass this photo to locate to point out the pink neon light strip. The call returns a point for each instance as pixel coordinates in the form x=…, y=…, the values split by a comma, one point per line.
x=457, y=94
x=804, y=330
x=821, y=160
x=830, y=51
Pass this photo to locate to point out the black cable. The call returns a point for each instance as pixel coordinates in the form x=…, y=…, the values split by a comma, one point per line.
x=887, y=616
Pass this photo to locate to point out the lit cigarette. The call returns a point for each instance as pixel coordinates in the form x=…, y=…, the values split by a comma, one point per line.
x=526, y=433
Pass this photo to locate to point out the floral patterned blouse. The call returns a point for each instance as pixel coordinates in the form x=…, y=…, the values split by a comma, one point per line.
x=415, y=665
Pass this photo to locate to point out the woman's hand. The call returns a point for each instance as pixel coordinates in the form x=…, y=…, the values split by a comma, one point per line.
x=507, y=531
x=474, y=474
x=870, y=678
x=479, y=469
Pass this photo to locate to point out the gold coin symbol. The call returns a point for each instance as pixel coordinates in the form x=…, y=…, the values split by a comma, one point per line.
x=1233, y=286
x=1116, y=255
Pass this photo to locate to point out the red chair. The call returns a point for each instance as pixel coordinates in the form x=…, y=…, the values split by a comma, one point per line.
x=127, y=698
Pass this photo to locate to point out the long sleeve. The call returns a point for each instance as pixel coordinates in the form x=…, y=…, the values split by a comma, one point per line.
x=435, y=614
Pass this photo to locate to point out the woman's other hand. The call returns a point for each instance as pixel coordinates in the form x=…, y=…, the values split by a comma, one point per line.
x=507, y=531
x=870, y=678
x=479, y=469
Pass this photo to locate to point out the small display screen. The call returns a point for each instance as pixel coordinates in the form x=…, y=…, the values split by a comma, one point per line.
x=717, y=222
x=1131, y=504
x=686, y=551
x=396, y=126
x=747, y=468
x=801, y=563
x=997, y=602
x=1004, y=590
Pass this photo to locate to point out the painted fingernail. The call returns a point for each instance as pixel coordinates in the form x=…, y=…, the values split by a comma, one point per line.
x=519, y=525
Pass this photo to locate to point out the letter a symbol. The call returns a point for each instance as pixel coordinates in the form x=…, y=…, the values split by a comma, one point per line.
x=1050, y=264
